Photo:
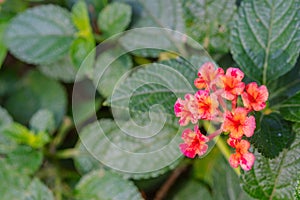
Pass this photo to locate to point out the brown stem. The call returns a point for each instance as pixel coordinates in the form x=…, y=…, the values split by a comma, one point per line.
x=162, y=192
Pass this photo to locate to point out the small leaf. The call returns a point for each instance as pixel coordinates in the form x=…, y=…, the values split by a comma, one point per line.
x=5, y=119
x=276, y=178
x=3, y=49
x=209, y=22
x=80, y=50
x=114, y=18
x=33, y=87
x=112, y=72
x=297, y=191
x=265, y=38
x=290, y=109
x=38, y=36
x=272, y=135
x=105, y=185
x=85, y=42
x=61, y=69
x=22, y=135
x=42, y=120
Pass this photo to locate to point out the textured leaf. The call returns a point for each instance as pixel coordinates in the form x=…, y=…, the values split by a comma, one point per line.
x=105, y=185
x=155, y=84
x=38, y=36
x=290, y=109
x=208, y=22
x=274, y=179
x=297, y=190
x=113, y=72
x=272, y=135
x=265, y=39
x=126, y=148
x=42, y=120
x=114, y=18
x=33, y=90
x=80, y=49
x=61, y=69
x=163, y=14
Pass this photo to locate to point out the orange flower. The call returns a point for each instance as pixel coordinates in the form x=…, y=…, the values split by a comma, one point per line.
x=241, y=157
x=205, y=105
x=194, y=143
x=232, y=83
x=182, y=110
x=207, y=75
x=255, y=97
x=238, y=124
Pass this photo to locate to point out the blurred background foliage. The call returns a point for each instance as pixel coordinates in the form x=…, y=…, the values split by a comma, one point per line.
x=44, y=43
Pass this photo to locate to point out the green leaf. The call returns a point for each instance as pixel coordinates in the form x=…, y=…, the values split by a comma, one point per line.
x=114, y=18
x=297, y=190
x=22, y=135
x=126, y=148
x=80, y=18
x=285, y=87
x=3, y=49
x=276, y=178
x=14, y=185
x=226, y=184
x=85, y=42
x=265, y=38
x=105, y=185
x=112, y=72
x=290, y=109
x=85, y=109
x=192, y=190
x=80, y=50
x=8, y=80
x=154, y=14
x=5, y=119
x=24, y=159
x=38, y=191
x=209, y=22
x=155, y=84
x=33, y=87
x=272, y=135
x=42, y=120
x=39, y=36
x=61, y=69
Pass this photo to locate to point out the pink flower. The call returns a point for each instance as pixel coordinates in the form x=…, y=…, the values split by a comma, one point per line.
x=194, y=143
x=207, y=75
x=205, y=105
x=182, y=110
x=238, y=124
x=232, y=83
x=255, y=97
x=241, y=157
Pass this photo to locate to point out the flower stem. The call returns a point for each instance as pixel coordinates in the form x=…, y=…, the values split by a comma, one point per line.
x=221, y=145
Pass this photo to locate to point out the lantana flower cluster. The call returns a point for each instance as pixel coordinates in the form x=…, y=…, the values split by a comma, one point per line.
x=217, y=101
